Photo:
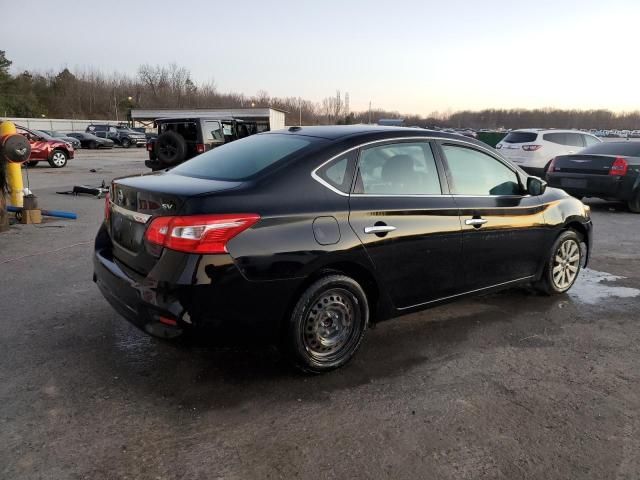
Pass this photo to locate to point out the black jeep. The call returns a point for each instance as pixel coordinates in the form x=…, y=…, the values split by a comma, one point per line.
x=180, y=139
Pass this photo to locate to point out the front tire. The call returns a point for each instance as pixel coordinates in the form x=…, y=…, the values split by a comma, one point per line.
x=58, y=159
x=125, y=143
x=327, y=324
x=563, y=265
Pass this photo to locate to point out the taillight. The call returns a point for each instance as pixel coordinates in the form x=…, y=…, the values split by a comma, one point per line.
x=149, y=147
x=531, y=148
x=619, y=167
x=200, y=148
x=552, y=165
x=107, y=206
x=198, y=233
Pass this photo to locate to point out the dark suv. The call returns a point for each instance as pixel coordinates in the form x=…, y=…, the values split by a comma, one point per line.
x=121, y=135
x=180, y=139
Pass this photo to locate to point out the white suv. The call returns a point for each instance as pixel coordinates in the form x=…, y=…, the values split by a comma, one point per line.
x=533, y=149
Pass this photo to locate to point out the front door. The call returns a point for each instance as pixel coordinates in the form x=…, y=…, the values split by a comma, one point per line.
x=503, y=227
x=402, y=213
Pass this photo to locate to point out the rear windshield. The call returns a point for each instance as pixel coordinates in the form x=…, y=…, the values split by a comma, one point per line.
x=244, y=158
x=520, y=137
x=627, y=149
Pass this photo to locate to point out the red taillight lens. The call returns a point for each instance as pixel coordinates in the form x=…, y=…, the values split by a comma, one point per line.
x=531, y=148
x=200, y=148
x=198, y=233
x=107, y=206
x=552, y=165
x=149, y=147
x=619, y=167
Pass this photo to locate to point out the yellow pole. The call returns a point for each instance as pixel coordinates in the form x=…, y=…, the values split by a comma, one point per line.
x=14, y=170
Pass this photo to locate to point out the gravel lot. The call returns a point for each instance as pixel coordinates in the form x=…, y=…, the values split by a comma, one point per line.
x=510, y=385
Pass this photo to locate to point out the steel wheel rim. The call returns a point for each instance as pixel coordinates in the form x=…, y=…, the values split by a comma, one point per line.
x=58, y=159
x=566, y=263
x=330, y=324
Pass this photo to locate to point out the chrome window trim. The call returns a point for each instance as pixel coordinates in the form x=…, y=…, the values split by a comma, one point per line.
x=494, y=155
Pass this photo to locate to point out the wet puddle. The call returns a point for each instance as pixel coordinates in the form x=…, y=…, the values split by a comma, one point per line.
x=593, y=287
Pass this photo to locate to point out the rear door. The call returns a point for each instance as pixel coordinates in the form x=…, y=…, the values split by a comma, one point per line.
x=401, y=211
x=503, y=227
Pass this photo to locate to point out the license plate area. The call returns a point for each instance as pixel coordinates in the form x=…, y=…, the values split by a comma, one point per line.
x=126, y=232
x=574, y=183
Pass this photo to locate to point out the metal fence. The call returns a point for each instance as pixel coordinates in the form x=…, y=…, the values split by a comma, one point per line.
x=60, y=124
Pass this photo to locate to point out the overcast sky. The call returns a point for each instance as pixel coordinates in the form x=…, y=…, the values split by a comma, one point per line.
x=415, y=56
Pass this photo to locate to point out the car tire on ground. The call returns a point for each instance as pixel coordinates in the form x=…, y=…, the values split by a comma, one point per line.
x=563, y=265
x=634, y=204
x=58, y=159
x=170, y=148
x=126, y=143
x=327, y=324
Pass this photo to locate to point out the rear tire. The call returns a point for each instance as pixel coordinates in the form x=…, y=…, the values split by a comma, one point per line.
x=634, y=204
x=327, y=324
x=562, y=266
x=58, y=159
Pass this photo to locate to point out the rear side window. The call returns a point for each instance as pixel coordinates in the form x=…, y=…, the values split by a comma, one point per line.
x=625, y=149
x=475, y=173
x=590, y=140
x=520, y=137
x=339, y=172
x=568, y=138
x=244, y=158
x=398, y=169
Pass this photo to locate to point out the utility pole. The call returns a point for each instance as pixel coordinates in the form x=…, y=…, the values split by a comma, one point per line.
x=300, y=107
x=369, y=112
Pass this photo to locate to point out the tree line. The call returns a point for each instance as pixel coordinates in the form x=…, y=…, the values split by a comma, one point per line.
x=92, y=94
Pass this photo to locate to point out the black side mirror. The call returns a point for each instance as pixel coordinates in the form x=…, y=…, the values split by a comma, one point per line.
x=536, y=186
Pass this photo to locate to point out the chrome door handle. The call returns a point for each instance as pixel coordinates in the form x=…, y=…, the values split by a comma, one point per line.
x=476, y=222
x=379, y=229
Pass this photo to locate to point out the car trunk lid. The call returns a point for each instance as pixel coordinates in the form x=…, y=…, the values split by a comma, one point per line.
x=135, y=201
x=584, y=164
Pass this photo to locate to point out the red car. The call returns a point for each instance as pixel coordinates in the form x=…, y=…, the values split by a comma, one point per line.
x=46, y=149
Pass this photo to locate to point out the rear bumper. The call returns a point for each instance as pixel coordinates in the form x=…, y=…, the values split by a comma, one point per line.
x=601, y=186
x=195, y=292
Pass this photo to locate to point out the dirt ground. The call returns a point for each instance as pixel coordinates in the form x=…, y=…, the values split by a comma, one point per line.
x=510, y=385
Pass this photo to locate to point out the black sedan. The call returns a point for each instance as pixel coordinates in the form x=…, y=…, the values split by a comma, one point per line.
x=62, y=136
x=88, y=140
x=308, y=236
x=606, y=170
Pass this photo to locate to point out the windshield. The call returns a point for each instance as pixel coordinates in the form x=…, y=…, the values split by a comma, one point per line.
x=520, y=137
x=245, y=158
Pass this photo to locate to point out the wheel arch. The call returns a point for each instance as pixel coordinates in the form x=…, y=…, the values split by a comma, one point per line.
x=378, y=310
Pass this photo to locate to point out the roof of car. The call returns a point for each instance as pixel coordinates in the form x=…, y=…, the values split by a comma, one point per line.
x=334, y=132
x=549, y=130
